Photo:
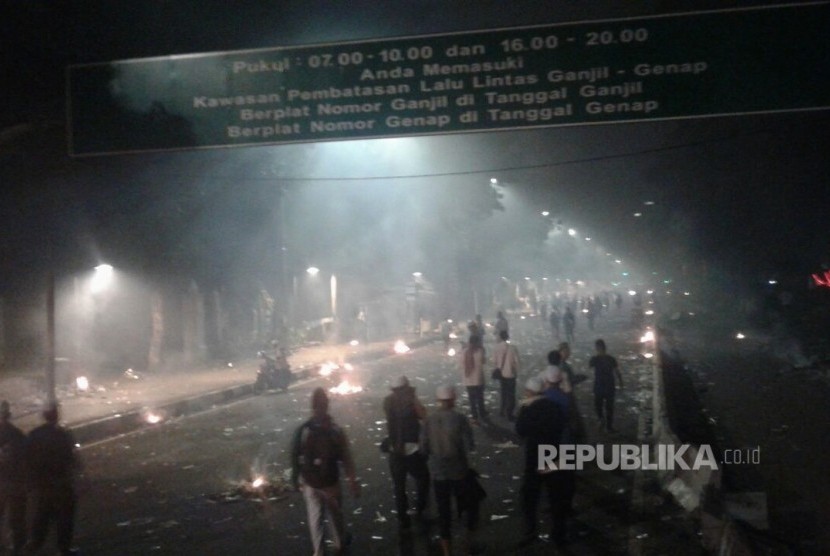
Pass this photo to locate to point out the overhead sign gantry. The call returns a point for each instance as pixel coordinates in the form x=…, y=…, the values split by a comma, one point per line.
x=717, y=63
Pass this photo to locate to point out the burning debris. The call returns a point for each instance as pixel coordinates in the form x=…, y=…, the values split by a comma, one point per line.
x=152, y=416
x=333, y=370
x=401, y=348
x=257, y=489
x=345, y=388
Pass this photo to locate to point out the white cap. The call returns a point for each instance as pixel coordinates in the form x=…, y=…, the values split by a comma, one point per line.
x=400, y=382
x=534, y=384
x=553, y=374
x=445, y=392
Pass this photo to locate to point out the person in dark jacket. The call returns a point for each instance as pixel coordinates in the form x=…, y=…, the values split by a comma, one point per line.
x=404, y=413
x=605, y=370
x=541, y=423
x=318, y=449
x=52, y=464
x=12, y=478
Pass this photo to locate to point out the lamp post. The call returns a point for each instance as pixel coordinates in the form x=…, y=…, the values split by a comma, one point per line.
x=100, y=281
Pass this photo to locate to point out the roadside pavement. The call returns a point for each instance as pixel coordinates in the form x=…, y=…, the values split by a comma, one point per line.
x=125, y=402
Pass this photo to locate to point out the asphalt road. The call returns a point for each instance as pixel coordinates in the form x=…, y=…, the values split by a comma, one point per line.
x=174, y=489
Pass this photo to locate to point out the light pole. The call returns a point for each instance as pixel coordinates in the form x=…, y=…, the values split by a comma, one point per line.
x=100, y=281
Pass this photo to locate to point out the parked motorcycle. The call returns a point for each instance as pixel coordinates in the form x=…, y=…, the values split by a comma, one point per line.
x=272, y=376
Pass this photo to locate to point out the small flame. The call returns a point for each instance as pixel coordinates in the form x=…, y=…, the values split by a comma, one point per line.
x=258, y=482
x=152, y=417
x=401, y=347
x=345, y=388
x=82, y=383
x=326, y=369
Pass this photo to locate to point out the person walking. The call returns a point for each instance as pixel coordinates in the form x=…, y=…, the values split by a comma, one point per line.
x=446, y=440
x=541, y=423
x=569, y=323
x=501, y=324
x=404, y=413
x=472, y=364
x=318, y=449
x=555, y=319
x=605, y=369
x=52, y=466
x=506, y=357
x=564, y=355
x=12, y=479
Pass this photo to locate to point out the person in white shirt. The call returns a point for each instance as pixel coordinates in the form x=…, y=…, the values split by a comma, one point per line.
x=506, y=359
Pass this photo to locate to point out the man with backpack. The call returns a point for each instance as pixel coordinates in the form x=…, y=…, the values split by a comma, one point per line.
x=404, y=413
x=318, y=449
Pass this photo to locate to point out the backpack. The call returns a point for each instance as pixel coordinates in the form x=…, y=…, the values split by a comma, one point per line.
x=319, y=455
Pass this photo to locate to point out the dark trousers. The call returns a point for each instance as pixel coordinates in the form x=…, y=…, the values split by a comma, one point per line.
x=52, y=503
x=508, y=397
x=416, y=466
x=13, y=504
x=559, y=486
x=476, y=396
x=445, y=491
x=604, y=405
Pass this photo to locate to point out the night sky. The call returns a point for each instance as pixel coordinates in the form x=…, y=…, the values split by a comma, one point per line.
x=745, y=195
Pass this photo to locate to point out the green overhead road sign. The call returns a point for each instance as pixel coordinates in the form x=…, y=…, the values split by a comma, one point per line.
x=718, y=63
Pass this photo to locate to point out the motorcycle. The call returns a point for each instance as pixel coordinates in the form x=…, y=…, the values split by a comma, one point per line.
x=271, y=376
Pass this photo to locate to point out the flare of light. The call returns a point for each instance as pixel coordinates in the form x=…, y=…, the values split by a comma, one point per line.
x=647, y=337
x=648, y=355
x=354, y=343
x=400, y=347
x=451, y=352
x=82, y=383
x=327, y=368
x=258, y=482
x=348, y=366
x=152, y=417
x=345, y=388
x=740, y=336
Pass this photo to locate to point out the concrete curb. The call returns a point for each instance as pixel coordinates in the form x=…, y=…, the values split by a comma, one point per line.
x=98, y=430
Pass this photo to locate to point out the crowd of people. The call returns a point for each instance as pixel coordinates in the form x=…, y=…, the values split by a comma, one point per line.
x=38, y=480
x=433, y=447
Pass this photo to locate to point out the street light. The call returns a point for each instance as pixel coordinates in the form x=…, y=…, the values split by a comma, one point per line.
x=101, y=280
